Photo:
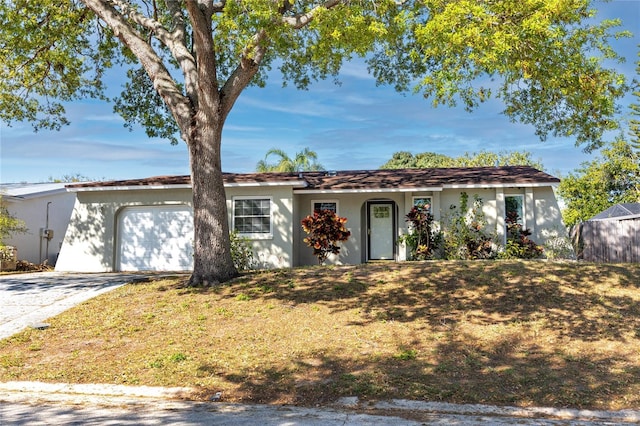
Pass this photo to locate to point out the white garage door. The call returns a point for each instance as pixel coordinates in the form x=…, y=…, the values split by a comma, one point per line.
x=155, y=238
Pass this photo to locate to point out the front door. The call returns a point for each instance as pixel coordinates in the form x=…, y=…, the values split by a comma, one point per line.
x=381, y=218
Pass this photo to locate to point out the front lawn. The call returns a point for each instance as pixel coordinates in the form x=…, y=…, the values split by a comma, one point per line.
x=495, y=332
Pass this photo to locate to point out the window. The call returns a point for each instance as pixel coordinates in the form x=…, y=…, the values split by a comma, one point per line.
x=324, y=205
x=422, y=202
x=252, y=216
x=514, y=209
x=381, y=212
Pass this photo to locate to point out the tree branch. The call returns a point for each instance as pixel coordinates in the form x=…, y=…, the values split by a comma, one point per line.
x=200, y=13
x=254, y=53
x=302, y=20
x=179, y=31
x=174, y=41
x=252, y=56
x=179, y=105
x=186, y=60
x=219, y=6
x=151, y=24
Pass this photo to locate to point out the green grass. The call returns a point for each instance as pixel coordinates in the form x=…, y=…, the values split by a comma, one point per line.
x=506, y=333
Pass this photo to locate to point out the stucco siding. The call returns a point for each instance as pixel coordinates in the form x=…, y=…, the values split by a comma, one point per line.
x=353, y=207
x=276, y=250
x=90, y=243
x=297, y=232
x=451, y=197
x=548, y=218
x=541, y=210
x=84, y=248
x=33, y=212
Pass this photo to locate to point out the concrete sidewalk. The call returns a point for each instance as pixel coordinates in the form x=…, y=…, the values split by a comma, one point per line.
x=59, y=404
x=27, y=299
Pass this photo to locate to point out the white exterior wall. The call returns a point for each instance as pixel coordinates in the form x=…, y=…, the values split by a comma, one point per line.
x=436, y=211
x=501, y=212
x=91, y=239
x=277, y=250
x=353, y=207
x=490, y=206
x=547, y=216
x=541, y=210
x=33, y=212
x=90, y=242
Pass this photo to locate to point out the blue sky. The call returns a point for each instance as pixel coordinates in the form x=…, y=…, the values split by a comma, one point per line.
x=353, y=126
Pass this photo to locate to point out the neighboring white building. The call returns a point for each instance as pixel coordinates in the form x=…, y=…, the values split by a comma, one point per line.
x=147, y=224
x=41, y=206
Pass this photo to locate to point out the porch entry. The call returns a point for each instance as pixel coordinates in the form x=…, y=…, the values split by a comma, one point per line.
x=381, y=218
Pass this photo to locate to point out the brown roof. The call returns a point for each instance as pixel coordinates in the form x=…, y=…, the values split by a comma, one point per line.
x=152, y=181
x=229, y=178
x=427, y=178
x=363, y=179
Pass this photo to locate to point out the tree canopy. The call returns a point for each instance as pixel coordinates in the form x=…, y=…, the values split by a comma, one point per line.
x=613, y=177
x=187, y=62
x=546, y=55
x=424, y=160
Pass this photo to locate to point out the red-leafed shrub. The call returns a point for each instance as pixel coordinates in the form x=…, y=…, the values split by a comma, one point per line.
x=326, y=229
x=421, y=239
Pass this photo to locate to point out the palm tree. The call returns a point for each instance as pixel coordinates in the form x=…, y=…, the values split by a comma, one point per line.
x=303, y=161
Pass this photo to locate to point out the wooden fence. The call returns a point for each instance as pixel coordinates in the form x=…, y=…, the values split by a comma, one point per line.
x=608, y=241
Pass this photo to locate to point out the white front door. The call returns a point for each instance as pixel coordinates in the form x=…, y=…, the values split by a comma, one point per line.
x=381, y=236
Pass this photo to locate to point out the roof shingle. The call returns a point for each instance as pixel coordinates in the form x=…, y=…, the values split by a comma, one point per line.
x=362, y=179
x=427, y=178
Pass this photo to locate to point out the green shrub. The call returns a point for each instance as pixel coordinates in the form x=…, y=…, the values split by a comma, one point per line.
x=9, y=224
x=519, y=245
x=557, y=244
x=241, y=252
x=464, y=233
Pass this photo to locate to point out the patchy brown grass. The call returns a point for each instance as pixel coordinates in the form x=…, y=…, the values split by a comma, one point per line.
x=506, y=333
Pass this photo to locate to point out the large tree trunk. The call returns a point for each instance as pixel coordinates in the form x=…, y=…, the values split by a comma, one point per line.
x=212, y=263
x=200, y=114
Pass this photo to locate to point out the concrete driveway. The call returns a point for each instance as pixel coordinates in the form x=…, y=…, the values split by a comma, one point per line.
x=28, y=299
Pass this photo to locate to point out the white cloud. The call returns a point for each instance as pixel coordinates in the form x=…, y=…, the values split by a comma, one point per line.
x=356, y=69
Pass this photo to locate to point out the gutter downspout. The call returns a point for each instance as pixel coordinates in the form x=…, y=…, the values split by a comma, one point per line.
x=47, y=227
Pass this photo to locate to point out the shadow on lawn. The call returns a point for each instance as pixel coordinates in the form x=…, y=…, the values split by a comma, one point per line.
x=460, y=374
x=510, y=369
x=566, y=295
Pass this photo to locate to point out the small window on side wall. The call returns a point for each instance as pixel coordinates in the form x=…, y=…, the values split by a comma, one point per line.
x=514, y=209
x=317, y=205
x=422, y=203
